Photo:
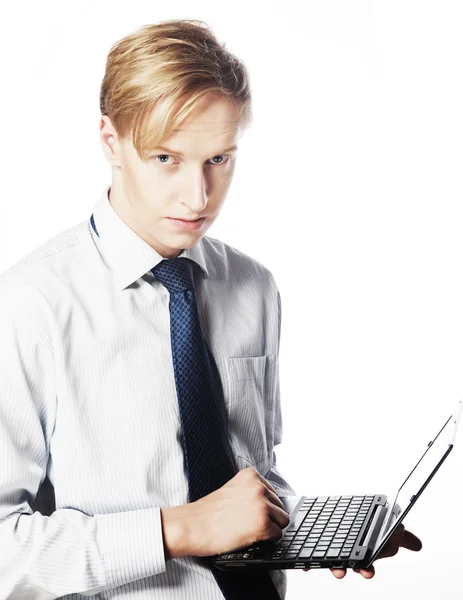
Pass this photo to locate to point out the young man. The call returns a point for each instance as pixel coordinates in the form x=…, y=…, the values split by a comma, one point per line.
x=111, y=405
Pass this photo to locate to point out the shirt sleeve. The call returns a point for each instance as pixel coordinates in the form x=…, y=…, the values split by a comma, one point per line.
x=45, y=557
x=274, y=476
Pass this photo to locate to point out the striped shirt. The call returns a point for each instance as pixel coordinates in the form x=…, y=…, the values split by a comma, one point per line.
x=90, y=431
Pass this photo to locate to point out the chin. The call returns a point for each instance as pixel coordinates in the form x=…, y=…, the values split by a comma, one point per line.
x=193, y=241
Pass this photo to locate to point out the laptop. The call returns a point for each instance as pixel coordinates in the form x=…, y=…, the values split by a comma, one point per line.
x=343, y=531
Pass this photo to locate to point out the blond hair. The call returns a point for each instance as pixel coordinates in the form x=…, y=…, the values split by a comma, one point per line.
x=159, y=65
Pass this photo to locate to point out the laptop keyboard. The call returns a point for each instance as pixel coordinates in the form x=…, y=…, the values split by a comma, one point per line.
x=324, y=527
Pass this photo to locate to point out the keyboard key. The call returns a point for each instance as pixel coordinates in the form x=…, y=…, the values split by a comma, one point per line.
x=333, y=552
x=301, y=515
x=305, y=553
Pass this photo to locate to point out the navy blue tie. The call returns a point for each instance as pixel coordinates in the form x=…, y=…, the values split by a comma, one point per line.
x=206, y=442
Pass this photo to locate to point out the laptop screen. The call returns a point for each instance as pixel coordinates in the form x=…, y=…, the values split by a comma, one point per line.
x=436, y=452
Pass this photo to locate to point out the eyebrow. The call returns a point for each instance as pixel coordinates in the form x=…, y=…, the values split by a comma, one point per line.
x=169, y=151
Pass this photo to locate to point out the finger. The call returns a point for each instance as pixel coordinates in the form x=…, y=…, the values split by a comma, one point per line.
x=392, y=546
x=401, y=538
x=279, y=516
x=274, y=498
x=411, y=542
x=339, y=573
x=272, y=494
x=264, y=481
x=366, y=573
x=274, y=529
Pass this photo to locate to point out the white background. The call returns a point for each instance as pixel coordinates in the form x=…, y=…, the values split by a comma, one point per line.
x=348, y=187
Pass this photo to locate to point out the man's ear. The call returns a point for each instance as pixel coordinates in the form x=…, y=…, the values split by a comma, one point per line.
x=109, y=141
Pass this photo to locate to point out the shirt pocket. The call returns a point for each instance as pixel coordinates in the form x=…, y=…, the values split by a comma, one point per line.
x=251, y=389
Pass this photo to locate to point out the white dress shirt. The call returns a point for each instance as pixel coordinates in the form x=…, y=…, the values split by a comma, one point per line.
x=90, y=432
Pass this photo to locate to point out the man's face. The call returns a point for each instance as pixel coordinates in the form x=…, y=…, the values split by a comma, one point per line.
x=188, y=182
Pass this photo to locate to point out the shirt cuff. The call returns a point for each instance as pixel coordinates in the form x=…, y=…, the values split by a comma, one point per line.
x=132, y=544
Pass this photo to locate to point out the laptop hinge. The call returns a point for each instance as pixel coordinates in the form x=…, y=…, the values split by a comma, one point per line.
x=373, y=527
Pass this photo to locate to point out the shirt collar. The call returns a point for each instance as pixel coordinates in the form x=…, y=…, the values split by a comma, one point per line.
x=129, y=256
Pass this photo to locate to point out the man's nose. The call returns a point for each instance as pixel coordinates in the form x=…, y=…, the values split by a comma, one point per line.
x=197, y=195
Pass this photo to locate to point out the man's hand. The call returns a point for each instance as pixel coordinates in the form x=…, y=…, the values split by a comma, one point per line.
x=242, y=512
x=401, y=538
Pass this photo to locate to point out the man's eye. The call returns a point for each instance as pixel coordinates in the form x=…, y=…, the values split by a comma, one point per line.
x=222, y=161
x=162, y=156
x=214, y=163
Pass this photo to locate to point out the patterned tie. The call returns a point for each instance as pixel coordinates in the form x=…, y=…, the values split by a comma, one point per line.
x=206, y=442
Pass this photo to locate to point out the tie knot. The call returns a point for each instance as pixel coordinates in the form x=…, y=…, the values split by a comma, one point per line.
x=174, y=274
